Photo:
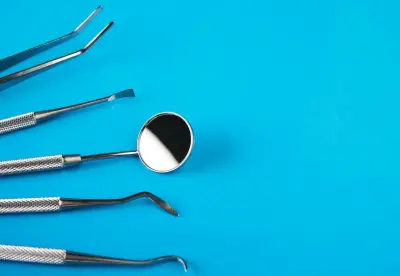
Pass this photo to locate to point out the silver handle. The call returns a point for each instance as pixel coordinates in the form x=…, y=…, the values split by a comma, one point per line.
x=18, y=122
x=32, y=255
x=29, y=205
x=31, y=165
x=53, y=162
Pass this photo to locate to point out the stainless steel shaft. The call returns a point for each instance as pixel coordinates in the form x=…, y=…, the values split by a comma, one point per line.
x=32, y=255
x=17, y=122
x=29, y=205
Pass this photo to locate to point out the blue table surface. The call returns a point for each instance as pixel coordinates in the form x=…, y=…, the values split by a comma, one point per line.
x=294, y=104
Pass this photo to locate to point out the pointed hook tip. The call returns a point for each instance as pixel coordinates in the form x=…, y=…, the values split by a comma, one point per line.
x=184, y=263
x=172, y=211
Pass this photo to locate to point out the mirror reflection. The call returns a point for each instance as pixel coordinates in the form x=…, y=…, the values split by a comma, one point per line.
x=165, y=142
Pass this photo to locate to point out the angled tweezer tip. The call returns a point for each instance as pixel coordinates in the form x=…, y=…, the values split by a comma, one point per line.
x=88, y=19
x=12, y=60
x=97, y=37
x=14, y=78
x=122, y=94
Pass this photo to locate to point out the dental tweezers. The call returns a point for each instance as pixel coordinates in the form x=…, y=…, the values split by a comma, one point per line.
x=64, y=257
x=8, y=62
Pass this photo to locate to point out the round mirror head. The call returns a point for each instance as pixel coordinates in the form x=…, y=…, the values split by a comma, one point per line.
x=165, y=142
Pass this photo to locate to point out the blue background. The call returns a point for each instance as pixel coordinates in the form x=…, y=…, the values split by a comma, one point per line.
x=294, y=104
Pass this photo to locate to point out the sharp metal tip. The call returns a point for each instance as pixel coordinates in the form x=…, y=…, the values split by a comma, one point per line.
x=100, y=34
x=184, y=263
x=88, y=19
x=98, y=9
x=172, y=211
x=167, y=259
x=162, y=203
x=122, y=94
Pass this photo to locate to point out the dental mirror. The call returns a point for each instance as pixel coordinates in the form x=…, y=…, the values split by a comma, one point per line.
x=164, y=144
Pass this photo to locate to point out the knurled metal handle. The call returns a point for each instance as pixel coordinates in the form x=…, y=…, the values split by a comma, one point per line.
x=31, y=165
x=32, y=254
x=18, y=122
x=29, y=205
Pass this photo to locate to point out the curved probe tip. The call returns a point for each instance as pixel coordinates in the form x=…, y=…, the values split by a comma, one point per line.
x=161, y=203
x=169, y=259
x=184, y=263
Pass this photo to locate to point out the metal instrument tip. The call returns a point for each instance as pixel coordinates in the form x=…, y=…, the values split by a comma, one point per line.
x=183, y=262
x=160, y=202
x=122, y=94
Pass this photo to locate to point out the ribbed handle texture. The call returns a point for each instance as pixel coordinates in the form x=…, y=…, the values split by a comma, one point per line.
x=32, y=255
x=18, y=122
x=31, y=165
x=29, y=205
